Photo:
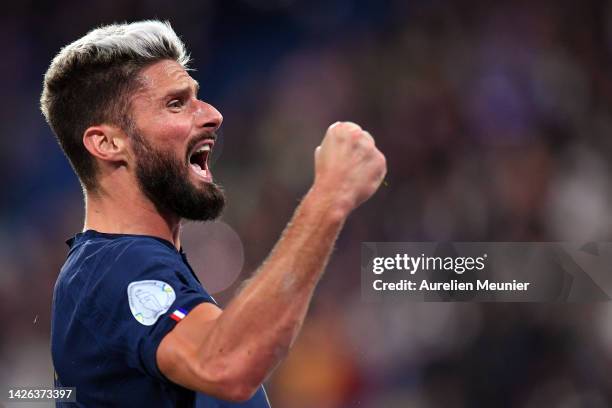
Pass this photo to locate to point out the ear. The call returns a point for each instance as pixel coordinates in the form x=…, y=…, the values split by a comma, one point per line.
x=106, y=142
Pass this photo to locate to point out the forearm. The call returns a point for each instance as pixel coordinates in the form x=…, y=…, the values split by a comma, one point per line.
x=256, y=330
x=229, y=353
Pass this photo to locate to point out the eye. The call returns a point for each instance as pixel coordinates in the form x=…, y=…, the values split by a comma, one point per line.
x=175, y=104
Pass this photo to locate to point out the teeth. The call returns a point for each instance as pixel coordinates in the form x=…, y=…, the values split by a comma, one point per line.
x=205, y=148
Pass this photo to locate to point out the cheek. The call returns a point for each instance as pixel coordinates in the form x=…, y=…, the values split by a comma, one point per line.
x=171, y=132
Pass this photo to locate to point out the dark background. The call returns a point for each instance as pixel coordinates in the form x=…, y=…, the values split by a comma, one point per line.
x=496, y=121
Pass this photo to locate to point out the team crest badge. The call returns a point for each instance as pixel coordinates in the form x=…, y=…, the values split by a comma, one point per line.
x=149, y=299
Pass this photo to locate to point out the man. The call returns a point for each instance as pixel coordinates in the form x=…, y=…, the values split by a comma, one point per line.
x=132, y=326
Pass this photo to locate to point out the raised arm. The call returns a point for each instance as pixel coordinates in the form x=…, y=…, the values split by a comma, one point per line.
x=229, y=353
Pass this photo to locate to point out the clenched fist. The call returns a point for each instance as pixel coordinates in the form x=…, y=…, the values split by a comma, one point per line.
x=348, y=166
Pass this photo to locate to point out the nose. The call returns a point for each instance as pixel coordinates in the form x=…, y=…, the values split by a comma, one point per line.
x=208, y=116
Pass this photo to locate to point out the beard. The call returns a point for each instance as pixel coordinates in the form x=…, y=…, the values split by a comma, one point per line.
x=165, y=181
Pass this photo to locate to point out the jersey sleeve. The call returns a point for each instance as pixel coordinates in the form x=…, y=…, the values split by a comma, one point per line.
x=141, y=291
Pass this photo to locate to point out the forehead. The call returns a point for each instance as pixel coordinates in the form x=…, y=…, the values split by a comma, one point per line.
x=160, y=77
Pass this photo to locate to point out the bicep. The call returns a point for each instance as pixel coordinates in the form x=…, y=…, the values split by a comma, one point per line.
x=190, y=356
x=178, y=355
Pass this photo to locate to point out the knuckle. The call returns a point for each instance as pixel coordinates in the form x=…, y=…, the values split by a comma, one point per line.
x=333, y=125
x=383, y=159
x=353, y=125
x=356, y=136
x=349, y=126
x=339, y=136
x=369, y=148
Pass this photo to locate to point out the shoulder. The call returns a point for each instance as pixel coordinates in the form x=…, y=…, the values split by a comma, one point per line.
x=122, y=257
x=139, y=252
x=128, y=260
x=128, y=276
x=106, y=267
x=108, y=249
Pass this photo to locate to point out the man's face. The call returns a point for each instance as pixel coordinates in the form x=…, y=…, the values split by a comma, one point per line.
x=172, y=138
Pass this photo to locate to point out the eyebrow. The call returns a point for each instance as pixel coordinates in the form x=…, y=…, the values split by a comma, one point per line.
x=183, y=89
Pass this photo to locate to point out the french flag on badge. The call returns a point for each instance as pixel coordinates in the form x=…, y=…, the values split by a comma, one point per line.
x=179, y=314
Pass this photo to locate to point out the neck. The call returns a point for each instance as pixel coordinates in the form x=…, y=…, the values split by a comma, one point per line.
x=128, y=211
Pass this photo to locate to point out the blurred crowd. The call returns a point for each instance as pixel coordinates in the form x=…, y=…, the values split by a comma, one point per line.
x=496, y=121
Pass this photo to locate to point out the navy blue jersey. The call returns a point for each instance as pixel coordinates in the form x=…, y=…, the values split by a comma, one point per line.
x=115, y=299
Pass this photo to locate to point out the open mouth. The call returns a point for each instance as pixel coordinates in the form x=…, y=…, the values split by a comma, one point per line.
x=198, y=161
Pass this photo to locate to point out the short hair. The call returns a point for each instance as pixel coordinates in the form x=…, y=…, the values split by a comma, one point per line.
x=89, y=82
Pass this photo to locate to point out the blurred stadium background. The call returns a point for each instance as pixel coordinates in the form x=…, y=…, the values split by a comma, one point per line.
x=497, y=124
